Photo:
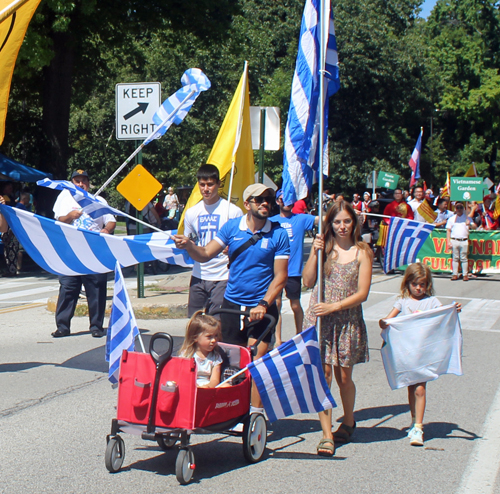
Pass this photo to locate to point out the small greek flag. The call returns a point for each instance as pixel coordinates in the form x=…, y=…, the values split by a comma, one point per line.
x=95, y=207
x=122, y=328
x=194, y=81
x=301, y=150
x=290, y=378
x=404, y=240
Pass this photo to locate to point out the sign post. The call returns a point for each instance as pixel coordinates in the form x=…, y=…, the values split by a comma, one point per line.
x=265, y=128
x=139, y=187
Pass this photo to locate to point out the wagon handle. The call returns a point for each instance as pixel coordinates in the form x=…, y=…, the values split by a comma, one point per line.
x=161, y=359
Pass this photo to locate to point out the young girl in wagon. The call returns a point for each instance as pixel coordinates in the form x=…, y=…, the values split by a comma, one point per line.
x=203, y=334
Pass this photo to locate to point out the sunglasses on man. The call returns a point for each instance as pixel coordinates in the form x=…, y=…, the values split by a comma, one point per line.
x=261, y=199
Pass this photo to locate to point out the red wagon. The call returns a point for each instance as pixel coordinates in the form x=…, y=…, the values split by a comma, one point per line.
x=158, y=400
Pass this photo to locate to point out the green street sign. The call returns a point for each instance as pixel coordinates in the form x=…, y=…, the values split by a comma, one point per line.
x=387, y=180
x=466, y=188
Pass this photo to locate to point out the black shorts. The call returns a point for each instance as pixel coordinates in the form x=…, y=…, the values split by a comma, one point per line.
x=293, y=287
x=232, y=325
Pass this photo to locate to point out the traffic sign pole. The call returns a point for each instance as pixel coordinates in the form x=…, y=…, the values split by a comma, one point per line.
x=140, y=266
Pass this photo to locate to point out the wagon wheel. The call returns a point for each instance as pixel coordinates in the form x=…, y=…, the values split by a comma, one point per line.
x=115, y=454
x=254, y=437
x=184, y=466
x=166, y=441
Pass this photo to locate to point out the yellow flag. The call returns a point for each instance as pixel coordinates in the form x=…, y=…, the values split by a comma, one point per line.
x=12, y=30
x=233, y=143
x=471, y=172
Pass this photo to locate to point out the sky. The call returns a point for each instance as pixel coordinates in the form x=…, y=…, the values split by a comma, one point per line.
x=427, y=7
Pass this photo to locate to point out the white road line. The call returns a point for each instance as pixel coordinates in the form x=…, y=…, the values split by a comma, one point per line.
x=477, y=314
x=484, y=462
x=381, y=309
x=481, y=314
x=37, y=301
x=24, y=293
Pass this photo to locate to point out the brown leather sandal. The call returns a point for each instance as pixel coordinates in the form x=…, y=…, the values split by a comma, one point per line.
x=343, y=433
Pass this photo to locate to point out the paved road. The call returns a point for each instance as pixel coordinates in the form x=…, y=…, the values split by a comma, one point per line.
x=57, y=406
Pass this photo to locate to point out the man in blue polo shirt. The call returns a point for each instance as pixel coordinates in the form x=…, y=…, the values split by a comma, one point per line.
x=296, y=226
x=257, y=275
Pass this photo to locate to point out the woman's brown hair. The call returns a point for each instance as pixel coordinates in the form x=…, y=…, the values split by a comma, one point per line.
x=330, y=242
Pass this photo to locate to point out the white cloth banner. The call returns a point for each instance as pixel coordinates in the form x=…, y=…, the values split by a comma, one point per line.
x=422, y=346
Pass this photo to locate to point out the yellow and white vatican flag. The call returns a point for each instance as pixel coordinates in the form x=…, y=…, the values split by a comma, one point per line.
x=14, y=19
x=232, y=152
x=422, y=346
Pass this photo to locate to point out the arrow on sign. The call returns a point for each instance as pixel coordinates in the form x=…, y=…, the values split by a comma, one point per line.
x=140, y=107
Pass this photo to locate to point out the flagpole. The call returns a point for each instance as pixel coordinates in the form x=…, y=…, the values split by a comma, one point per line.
x=321, y=103
x=11, y=8
x=146, y=141
x=237, y=137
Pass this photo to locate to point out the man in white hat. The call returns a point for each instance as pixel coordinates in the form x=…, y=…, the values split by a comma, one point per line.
x=258, y=273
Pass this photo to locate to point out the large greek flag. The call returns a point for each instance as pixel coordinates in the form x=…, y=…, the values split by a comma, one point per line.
x=122, y=328
x=67, y=250
x=301, y=154
x=93, y=206
x=290, y=378
x=422, y=346
x=404, y=240
x=194, y=81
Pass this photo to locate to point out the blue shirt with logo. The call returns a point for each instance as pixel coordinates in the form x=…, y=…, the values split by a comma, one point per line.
x=296, y=226
x=252, y=271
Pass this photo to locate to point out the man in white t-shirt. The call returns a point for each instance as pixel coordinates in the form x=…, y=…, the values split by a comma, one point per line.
x=415, y=203
x=457, y=238
x=67, y=210
x=202, y=222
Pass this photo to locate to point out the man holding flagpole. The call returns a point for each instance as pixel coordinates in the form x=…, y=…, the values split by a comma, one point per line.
x=258, y=254
x=67, y=210
x=202, y=222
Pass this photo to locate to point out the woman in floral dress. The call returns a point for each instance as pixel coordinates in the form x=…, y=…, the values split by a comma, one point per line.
x=347, y=273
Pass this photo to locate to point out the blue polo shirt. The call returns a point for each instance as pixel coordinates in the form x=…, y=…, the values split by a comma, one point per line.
x=252, y=271
x=296, y=227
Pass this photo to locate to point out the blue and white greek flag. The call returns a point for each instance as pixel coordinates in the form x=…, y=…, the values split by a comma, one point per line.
x=89, y=203
x=64, y=249
x=193, y=80
x=404, y=240
x=122, y=328
x=290, y=378
x=301, y=154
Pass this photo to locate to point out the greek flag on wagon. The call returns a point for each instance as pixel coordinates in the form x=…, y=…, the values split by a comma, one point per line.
x=122, y=328
x=67, y=250
x=290, y=378
x=89, y=203
x=193, y=80
x=404, y=240
x=301, y=154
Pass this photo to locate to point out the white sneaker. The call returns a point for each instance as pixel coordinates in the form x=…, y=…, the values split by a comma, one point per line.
x=410, y=430
x=417, y=437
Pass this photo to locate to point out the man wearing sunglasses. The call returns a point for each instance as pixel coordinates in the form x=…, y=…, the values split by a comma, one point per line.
x=257, y=274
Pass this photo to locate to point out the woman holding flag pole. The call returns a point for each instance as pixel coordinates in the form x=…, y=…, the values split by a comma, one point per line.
x=348, y=273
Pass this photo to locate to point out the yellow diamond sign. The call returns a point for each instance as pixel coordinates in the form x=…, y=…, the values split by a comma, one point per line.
x=139, y=187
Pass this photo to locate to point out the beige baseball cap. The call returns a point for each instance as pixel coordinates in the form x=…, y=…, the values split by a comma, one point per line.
x=256, y=190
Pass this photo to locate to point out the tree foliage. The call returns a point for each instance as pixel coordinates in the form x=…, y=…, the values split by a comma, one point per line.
x=398, y=73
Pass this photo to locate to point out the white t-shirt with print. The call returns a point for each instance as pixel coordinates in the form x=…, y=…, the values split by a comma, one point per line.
x=206, y=221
